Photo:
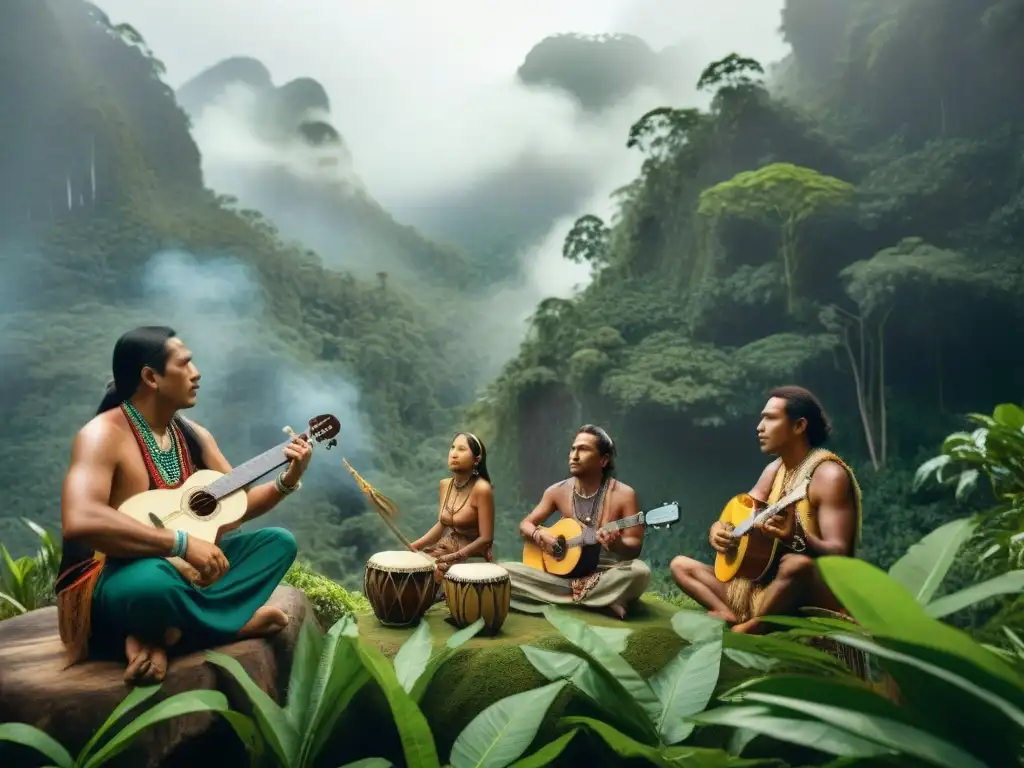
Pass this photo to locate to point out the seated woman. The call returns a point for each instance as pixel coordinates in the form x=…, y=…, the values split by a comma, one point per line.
x=465, y=521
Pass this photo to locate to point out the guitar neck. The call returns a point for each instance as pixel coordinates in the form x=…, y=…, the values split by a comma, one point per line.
x=614, y=525
x=626, y=522
x=250, y=471
x=770, y=511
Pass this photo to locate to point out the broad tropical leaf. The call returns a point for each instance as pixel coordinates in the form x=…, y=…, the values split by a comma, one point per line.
x=501, y=733
x=896, y=736
x=413, y=729
x=275, y=727
x=885, y=609
x=135, y=697
x=547, y=754
x=926, y=563
x=1009, y=583
x=607, y=661
x=764, y=721
x=438, y=660
x=685, y=685
x=33, y=738
x=185, y=703
x=308, y=649
x=412, y=658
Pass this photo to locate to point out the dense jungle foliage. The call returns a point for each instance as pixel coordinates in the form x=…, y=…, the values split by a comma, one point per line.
x=851, y=221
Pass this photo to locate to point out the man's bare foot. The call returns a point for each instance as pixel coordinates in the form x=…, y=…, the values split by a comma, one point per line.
x=146, y=664
x=727, y=616
x=752, y=627
x=618, y=610
x=268, y=620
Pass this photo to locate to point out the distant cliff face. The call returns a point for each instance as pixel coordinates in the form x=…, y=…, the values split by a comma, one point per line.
x=275, y=148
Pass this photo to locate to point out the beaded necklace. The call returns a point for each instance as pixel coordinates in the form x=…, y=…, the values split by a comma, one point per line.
x=167, y=468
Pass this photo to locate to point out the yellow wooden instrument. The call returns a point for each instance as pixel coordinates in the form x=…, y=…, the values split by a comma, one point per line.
x=755, y=552
x=577, y=551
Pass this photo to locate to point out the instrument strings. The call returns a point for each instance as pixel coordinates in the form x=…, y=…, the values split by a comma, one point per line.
x=387, y=510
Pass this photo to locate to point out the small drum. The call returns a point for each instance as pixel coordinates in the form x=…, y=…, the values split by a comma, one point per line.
x=474, y=590
x=400, y=587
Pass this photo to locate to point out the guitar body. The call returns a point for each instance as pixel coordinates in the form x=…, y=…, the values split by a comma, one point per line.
x=189, y=508
x=574, y=562
x=755, y=553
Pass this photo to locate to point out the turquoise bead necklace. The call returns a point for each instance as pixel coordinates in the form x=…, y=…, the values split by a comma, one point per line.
x=168, y=463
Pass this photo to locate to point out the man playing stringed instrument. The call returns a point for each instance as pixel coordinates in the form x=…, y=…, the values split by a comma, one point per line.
x=592, y=497
x=148, y=588
x=793, y=427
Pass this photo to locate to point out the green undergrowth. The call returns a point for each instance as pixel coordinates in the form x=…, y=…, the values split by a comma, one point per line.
x=489, y=668
x=329, y=600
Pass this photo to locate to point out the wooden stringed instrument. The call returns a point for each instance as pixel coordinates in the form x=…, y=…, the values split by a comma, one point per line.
x=576, y=551
x=208, y=500
x=755, y=551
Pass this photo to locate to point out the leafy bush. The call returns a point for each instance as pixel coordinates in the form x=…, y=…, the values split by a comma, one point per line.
x=330, y=600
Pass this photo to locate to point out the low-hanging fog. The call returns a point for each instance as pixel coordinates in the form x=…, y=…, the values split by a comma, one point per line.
x=440, y=131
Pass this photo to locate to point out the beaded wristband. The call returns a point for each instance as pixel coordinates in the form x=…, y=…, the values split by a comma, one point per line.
x=180, y=544
x=283, y=489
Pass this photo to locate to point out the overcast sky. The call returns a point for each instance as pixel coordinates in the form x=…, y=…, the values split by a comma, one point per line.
x=399, y=70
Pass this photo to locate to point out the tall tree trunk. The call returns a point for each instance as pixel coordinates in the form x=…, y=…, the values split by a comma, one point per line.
x=865, y=417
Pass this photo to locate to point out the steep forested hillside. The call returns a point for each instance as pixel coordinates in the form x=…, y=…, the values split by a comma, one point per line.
x=106, y=224
x=855, y=225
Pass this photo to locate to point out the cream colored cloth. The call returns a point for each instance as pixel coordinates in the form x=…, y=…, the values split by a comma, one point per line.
x=615, y=582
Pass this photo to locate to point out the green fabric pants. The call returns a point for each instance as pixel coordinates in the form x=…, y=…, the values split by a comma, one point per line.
x=145, y=597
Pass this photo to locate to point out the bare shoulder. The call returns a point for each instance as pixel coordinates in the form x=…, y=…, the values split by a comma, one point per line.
x=483, y=488
x=553, y=490
x=623, y=491
x=202, y=432
x=102, y=435
x=831, y=481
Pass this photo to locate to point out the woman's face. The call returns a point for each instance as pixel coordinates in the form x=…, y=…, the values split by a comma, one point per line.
x=460, y=457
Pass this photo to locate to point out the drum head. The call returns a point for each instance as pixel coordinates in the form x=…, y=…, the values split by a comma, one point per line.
x=401, y=560
x=476, y=572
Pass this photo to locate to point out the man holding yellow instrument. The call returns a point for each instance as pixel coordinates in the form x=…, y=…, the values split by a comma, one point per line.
x=824, y=519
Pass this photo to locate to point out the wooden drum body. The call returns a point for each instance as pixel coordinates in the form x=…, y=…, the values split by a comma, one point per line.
x=475, y=590
x=400, y=587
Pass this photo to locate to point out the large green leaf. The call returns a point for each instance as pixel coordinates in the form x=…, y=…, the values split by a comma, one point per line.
x=501, y=733
x=1012, y=712
x=412, y=658
x=926, y=563
x=621, y=744
x=785, y=652
x=369, y=762
x=805, y=733
x=185, y=703
x=275, y=727
x=884, y=608
x=1009, y=415
x=685, y=685
x=547, y=754
x=40, y=741
x=413, y=729
x=1009, y=583
x=135, y=697
x=306, y=660
x=603, y=689
x=894, y=735
x=440, y=658
x=339, y=676
x=577, y=632
x=615, y=637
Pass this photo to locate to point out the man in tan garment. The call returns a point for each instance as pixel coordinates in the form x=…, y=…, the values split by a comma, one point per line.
x=593, y=498
x=826, y=522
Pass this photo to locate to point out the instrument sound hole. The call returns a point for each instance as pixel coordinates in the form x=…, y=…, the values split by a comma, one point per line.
x=202, y=504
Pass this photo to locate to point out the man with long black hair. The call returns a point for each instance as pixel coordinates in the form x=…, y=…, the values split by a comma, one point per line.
x=793, y=427
x=125, y=587
x=593, y=497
